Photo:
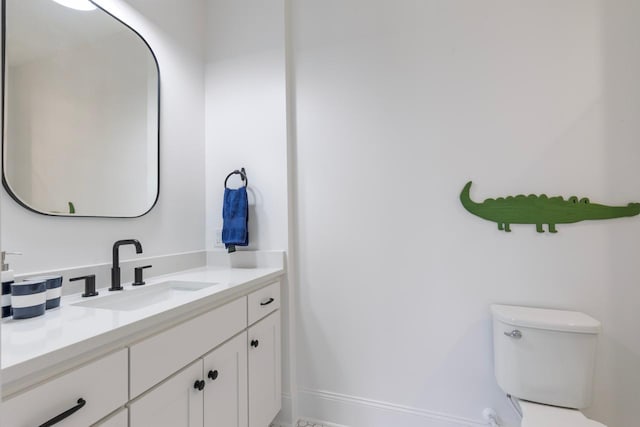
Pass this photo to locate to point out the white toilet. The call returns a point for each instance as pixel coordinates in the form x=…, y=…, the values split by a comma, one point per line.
x=544, y=361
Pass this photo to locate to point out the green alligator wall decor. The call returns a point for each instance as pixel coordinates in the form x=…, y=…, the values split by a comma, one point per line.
x=541, y=210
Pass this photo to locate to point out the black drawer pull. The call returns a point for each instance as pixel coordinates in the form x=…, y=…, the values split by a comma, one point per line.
x=267, y=302
x=213, y=375
x=65, y=414
x=199, y=385
x=255, y=343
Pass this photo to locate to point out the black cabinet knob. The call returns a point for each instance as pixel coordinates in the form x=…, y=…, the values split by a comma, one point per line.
x=199, y=385
x=255, y=343
x=213, y=375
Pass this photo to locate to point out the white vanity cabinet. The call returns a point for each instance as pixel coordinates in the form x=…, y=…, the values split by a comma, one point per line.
x=211, y=392
x=232, y=383
x=264, y=371
x=157, y=357
x=220, y=368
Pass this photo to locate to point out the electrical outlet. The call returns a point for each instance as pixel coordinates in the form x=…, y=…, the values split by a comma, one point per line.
x=219, y=243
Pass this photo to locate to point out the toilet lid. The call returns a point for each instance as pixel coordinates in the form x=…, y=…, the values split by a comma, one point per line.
x=539, y=415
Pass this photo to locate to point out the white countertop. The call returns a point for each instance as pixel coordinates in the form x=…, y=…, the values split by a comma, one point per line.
x=31, y=345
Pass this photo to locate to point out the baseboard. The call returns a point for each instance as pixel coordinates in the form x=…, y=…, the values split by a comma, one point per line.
x=284, y=418
x=341, y=410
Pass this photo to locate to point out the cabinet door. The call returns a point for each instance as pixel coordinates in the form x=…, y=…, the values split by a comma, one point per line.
x=225, y=396
x=264, y=371
x=174, y=403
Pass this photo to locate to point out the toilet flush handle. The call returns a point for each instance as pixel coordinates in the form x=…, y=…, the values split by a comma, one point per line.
x=514, y=334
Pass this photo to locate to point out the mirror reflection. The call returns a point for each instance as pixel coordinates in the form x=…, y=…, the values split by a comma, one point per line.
x=81, y=111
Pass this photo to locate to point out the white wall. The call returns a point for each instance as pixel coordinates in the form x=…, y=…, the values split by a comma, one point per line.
x=398, y=104
x=175, y=31
x=246, y=114
x=246, y=126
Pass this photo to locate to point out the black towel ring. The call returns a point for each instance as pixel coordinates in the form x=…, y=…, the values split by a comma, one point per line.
x=243, y=176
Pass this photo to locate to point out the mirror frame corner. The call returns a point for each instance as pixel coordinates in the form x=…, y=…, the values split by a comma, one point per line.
x=5, y=183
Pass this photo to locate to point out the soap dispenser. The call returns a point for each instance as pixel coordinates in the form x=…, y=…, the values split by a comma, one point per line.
x=7, y=280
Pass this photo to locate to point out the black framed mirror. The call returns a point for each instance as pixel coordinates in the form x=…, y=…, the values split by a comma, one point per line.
x=81, y=111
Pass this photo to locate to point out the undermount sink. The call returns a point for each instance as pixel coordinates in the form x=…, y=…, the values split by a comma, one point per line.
x=135, y=299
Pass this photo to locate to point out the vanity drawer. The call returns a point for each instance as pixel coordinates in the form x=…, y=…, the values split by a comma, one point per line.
x=156, y=358
x=102, y=384
x=264, y=301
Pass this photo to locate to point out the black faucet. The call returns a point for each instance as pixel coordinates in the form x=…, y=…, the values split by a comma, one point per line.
x=115, y=269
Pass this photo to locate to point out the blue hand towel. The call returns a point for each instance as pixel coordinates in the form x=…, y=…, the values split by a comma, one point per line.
x=235, y=216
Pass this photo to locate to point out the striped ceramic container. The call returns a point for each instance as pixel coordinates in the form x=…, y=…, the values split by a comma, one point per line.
x=28, y=298
x=7, y=280
x=6, y=298
x=54, y=289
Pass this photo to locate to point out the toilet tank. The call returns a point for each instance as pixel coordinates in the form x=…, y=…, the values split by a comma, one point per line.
x=545, y=356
